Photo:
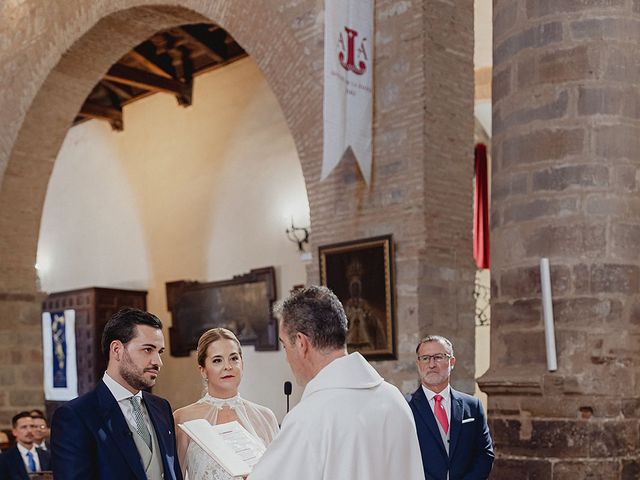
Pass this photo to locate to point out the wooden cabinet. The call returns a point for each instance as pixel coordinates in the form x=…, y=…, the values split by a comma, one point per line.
x=93, y=308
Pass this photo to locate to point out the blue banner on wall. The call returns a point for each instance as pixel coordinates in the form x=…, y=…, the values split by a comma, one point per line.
x=59, y=349
x=59, y=362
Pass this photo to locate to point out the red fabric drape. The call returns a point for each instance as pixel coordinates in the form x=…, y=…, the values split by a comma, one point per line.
x=481, y=209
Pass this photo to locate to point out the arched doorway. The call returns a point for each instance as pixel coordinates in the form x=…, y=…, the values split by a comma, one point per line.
x=62, y=91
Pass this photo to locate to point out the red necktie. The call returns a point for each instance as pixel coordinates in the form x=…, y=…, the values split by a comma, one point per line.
x=440, y=414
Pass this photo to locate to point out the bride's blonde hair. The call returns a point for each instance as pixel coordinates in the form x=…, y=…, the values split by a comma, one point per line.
x=213, y=335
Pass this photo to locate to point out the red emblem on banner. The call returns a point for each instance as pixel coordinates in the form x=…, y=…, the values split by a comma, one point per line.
x=352, y=56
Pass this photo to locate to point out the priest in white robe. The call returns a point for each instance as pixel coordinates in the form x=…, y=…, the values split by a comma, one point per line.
x=350, y=424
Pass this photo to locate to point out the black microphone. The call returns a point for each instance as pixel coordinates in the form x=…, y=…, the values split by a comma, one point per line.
x=287, y=392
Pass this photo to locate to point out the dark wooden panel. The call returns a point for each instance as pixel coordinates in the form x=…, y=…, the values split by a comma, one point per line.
x=93, y=308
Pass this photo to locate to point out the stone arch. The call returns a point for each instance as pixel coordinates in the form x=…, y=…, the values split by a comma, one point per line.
x=67, y=57
x=83, y=60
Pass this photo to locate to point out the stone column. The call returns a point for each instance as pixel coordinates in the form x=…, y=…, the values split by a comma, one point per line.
x=20, y=340
x=566, y=150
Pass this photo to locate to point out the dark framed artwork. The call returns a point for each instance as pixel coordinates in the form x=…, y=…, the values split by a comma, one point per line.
x=360, y=273
x=243, y=304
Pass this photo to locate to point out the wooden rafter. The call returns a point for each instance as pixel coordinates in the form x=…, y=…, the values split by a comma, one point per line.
x=148, y=63
x=102, y=112
x=204, y=43
x=165, y=62
x=143, y=79
x=117, y=89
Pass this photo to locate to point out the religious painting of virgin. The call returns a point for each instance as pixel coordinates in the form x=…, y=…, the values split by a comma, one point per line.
x=360, y=273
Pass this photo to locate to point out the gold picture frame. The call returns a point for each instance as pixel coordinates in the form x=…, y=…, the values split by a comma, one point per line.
x=360, y=273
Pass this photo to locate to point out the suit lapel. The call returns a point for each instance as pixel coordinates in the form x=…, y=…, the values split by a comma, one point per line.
x=43, y=458
x=456, y=421
x=426, y=414
x=18, y=462
x=117, y=426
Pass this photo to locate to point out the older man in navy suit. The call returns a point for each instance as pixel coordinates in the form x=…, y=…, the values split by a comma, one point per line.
x=118, y=431
x=452, y=429
x=19, y=461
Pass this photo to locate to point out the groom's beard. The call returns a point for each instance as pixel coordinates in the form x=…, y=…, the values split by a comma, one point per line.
x=134, y=375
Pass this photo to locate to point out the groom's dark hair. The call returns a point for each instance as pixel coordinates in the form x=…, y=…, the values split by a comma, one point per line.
x=122, y=326
x=316, y=312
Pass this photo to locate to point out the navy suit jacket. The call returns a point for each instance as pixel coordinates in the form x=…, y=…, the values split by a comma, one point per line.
x=90, y=438
x=470, y=448
x=12, y=466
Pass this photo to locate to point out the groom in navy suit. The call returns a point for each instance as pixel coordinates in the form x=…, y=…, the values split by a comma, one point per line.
x=118, y=431
x=452, y=429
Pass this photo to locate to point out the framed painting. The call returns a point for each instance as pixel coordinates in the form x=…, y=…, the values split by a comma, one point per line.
x=242, y=304
x=360, y=273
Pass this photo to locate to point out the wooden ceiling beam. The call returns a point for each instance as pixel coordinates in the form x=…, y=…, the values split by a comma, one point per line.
x=148, y=63
x=145, y=80
x=103, y=112
x=204, y=43
x=117, y=89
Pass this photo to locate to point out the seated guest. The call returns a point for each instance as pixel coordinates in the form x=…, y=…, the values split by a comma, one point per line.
x=18, y=462
x=4, y=441
x=41, y=431
x=220, y=364
x=37, y=413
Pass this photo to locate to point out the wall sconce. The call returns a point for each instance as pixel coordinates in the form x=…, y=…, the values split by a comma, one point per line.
x=299, y=235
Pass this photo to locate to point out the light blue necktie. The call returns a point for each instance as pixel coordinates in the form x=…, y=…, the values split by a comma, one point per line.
x=141, y=426
x=31, y=462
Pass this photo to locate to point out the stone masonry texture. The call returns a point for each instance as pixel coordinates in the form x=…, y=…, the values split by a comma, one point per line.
x=566, y=153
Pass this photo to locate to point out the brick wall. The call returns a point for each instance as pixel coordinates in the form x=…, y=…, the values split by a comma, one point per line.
x=423, y=148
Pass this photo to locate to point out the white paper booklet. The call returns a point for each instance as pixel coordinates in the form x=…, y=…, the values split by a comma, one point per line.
x=229, y=444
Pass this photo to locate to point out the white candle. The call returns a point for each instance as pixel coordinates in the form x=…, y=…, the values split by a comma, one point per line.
x=547, y=311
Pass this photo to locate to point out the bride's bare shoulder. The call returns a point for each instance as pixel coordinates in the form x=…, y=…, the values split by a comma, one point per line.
x=264, y=411
x=194, y=410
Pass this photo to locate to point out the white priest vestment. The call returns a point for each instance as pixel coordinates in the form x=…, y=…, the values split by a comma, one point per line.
x=349, y=425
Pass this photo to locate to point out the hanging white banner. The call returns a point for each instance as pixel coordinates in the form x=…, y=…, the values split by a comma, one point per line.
x=348, y=83
x=59, y=355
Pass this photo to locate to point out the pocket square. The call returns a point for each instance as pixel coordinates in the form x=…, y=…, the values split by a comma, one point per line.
x=468, y=420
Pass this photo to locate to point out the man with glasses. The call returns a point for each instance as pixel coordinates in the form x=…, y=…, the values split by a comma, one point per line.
x=452, y=428
x=41, y=429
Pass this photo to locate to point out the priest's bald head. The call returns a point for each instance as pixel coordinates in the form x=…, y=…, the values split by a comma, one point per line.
x=313, y=330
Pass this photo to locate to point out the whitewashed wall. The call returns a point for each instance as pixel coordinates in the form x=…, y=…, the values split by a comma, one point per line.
x=201, y=193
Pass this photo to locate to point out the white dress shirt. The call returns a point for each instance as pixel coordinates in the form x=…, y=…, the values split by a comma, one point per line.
x=23, y=453
x=446, y=400
x=122, y=396
x=41, y=446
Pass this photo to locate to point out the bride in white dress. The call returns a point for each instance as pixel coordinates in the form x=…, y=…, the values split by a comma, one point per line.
x=220, y=364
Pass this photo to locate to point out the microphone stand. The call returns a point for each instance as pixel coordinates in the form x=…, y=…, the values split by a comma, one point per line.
x=287, y=392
